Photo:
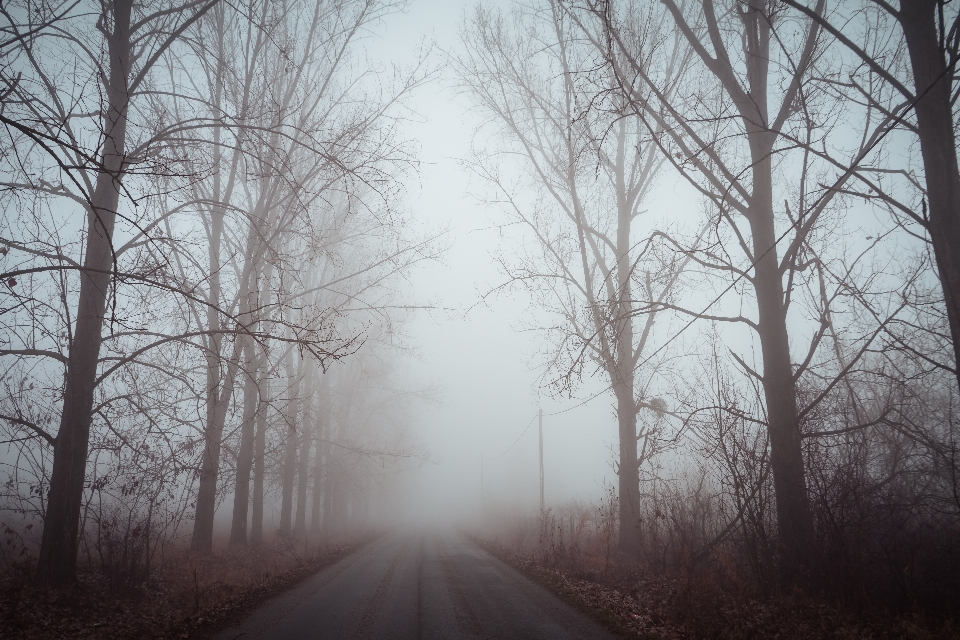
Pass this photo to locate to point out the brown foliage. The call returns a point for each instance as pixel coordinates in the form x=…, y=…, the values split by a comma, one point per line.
x=710, y=601
x=189, y=595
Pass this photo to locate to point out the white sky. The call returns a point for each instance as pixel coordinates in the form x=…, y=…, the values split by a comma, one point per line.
x=483, y=364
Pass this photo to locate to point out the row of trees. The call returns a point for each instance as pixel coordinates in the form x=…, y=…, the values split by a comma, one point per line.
x=237, y=167
x=823, y=158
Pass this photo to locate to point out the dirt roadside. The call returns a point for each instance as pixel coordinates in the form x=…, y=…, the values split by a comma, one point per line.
x=673, y=609
x=194, y=596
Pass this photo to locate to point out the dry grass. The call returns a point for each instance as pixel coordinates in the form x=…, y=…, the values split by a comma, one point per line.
x=707, y=604
x=190, y=597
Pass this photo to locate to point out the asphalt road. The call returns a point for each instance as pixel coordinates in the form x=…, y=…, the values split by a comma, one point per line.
x=417, y=585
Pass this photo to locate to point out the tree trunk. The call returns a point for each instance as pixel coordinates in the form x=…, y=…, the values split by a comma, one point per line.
x=320, y=428
x=794, y=520
x=628, y=474
x=939, y=151
x=340, y=508
x=216, y=399
x=292, y=444
x=202, y=540
x=260, y=447
x=327, y=516
x=289, y=474
x=300, y=520
x=308, y=425
x=251, y=401
x=331, y=524
x=219, y=390
x=623, y=373
x=57, y=562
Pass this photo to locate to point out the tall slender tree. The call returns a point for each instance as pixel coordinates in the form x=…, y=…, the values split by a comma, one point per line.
x=754, y=95
x=133, y=38
x=594, y=163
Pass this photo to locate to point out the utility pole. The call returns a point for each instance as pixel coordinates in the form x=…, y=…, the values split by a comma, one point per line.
x=481, y=483
x=541, y=460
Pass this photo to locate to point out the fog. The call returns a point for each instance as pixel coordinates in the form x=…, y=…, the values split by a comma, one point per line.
x=477, y=351
x=289, y=272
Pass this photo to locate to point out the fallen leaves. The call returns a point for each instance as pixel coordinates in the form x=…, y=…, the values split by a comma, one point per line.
x=191, y=595
x=674, y=606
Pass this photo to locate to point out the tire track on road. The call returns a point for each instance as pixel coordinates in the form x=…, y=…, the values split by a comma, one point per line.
x=466, y=618
x=372, y=611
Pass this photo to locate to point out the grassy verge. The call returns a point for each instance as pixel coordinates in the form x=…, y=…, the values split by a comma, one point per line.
x=192, y=596
x=697, y=606
x=613, y=609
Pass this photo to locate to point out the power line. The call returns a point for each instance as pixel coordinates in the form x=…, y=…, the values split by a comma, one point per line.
x=523, y=433
x=581, y=403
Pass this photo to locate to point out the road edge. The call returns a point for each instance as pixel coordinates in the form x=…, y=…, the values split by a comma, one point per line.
x=208, y=623
x=556, y=585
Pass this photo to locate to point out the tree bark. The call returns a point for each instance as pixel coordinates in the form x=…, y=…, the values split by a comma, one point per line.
x=308, y=426
x=319, y=433
x=251, y=401
x=57, y=561
x=328, y=518
x=260, y=447
x=202, y=540
x=623, y=373
x=289, y=474
x=628, y=475
x=218, y=388
x=794, y=520
x=291, y=446
x=303, y=473
x=332, y=502
x=252, y=305
x=938, y=150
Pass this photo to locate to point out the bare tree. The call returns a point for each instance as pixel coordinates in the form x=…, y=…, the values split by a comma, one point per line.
x=745, y=56
x=225, y=167
x=89, y=163
x=930, y=30
x=593, y=163
x=285, y=135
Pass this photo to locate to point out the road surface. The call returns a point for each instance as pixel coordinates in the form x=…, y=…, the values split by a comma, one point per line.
x=417, y=585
